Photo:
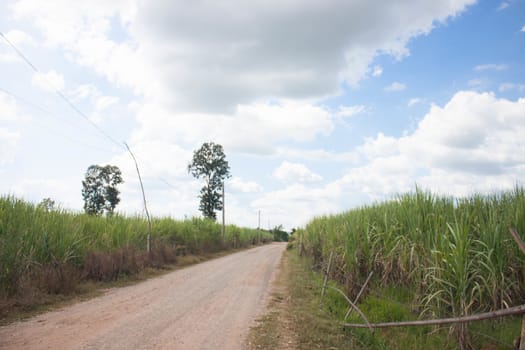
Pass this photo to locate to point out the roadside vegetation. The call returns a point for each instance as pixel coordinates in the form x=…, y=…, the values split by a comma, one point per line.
x=296, y=317
x=431, y=257
x=49, y=251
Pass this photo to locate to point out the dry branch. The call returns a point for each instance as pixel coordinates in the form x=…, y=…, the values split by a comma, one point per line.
x=518, y=239
x=356, y=308
x=327, y=274
x=516, y=310
x=359, y=294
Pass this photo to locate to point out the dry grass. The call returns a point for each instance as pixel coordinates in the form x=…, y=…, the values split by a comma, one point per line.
x=296, y=319
x=35, y=299
x=275, y=329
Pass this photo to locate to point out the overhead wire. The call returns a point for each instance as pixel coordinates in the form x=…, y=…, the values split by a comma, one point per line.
x=61, y=95
x=68, y=102
x=47, y=127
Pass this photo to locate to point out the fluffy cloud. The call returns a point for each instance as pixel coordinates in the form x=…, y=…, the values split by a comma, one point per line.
x=156, y=159
x=64, y=190
x=236, y=184
x=295, y=172
x=8, y=142
x=349, y=111
x=395, y=86
x=102, y=103
x=240, y=50
x=8, y=107
x=20, y=38
x=295, y=205
x=503, y=5
x=49, y=81
x=511, y=86
x=17, y=38
x=377, y=71
x=490, y=66
x=473, y=143
x=255, y=128
x=317, y=155
x=476, y=83
x=414, y=101
x=204, y=57
x=8, y=139
x=474, y=132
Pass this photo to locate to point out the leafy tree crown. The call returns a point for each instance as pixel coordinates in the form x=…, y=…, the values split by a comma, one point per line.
x=99, y=189
x=209, y=162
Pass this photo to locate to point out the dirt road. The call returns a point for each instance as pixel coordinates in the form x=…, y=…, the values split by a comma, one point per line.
x=206, y=306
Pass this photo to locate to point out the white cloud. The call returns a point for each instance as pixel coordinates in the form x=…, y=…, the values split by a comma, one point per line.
x=8, y=107
x=19, y=38
x=317, y=155
x=8, y=57
x=295, y=205
x=490, y=66
x=349, y=111
x=377, y=70
x=295, y=172
x=474, y=132
x=156, y=158
x=49, y=81
x=511, y=86
x=84, y=91
x=473, y=143
x=64, y=191
x=8, y=143
x=161, y=54
x=414, y=101
x=380, y=146
x=474, y=83
x=236, y=184
x=102, y=103
x=256, y=128
x=523, y=29
x=395, y=86
x=503, y=5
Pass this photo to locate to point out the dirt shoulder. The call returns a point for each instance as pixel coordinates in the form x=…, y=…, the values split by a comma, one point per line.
x=295, y=318
x=276, y=328
x=205, y=306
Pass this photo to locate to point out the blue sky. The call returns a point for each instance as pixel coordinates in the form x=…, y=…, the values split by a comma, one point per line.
x=320, y=106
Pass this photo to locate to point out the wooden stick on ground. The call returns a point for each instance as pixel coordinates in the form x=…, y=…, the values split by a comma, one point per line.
x=516, y=310
x=520, y=243
x=356, y=308
x=359, y=294
x=327, y=273
x=518, y=239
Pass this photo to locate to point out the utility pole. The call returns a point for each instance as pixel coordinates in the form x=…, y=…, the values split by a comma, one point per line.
x=223, y=210
x=148, y=243
x=259, y=222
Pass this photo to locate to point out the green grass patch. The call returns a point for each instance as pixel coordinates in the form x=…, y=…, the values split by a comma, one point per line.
x=48, y=254
x=318, y=321
x=455, y=256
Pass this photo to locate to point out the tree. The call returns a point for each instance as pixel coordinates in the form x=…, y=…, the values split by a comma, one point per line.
x=279, y=235
x=209, y=162
x=47, y=204
x=99, y=189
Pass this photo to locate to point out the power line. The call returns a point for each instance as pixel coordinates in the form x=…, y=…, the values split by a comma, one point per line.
x=61, y=95
x=68, y=102
x=46, y=126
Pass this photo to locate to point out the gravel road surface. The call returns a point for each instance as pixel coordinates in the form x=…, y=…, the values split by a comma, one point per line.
x=206, y=306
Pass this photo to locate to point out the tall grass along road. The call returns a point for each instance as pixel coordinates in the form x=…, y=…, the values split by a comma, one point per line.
x=206, y=306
